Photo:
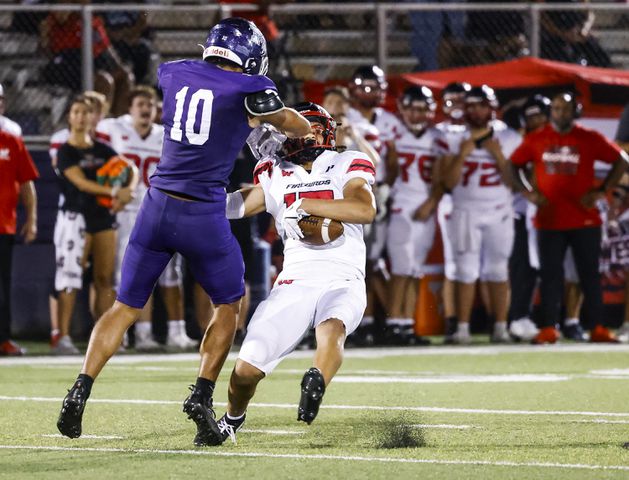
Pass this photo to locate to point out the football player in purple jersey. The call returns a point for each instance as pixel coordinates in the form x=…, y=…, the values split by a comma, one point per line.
x=210, y=107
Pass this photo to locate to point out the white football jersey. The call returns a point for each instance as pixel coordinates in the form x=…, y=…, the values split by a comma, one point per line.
x=284, y=182
x=56, y=140
x=9, y=126
x=120, y=135
x=416, y=156
x=480, y=180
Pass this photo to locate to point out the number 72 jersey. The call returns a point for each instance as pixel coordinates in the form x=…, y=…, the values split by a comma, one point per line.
x=480, y=179
x=284, y=183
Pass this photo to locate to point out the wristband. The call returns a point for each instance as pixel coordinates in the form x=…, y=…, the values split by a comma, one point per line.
x=114, y=191
x=234, y=206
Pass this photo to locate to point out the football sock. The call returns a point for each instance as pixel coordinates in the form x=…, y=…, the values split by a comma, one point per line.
x=570, y=321
x=143, y=329
x=500, y=327
x=463, y=328
x=87, y=382
x=205, y=387
x=234, y=420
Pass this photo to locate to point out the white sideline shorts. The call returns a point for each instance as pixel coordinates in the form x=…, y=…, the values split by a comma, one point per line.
x=408, y=242
x=69, y=240
x=293, y=307
x=482, y=240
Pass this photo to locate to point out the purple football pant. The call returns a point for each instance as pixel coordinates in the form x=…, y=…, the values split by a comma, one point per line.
x=197, y=230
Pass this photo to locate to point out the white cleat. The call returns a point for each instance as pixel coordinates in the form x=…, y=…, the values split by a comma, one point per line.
x=147, y=345
x=623, y=333
x=524, y=329
x=501, y=336
x=65, y=347
x=181, y=342
x=461, y=338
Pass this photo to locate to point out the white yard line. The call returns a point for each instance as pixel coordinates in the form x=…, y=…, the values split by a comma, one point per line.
x=480, y=411
x=273, y=432
x=209, y=453
x=86, y=437
x=445, y=426
x=350, y=353
x=602, y=420
x=509, y=378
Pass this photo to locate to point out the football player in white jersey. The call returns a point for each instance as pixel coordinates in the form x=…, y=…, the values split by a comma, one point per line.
x=453, y=107
x=368, y=88
x=137, y=138
x=411, y=228
x=481, y=223
x=319, y=287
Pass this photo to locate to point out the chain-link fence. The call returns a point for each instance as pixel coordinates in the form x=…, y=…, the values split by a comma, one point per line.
x=46, y=55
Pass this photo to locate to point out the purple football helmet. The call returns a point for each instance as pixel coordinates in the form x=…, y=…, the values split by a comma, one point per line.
x=239, y=41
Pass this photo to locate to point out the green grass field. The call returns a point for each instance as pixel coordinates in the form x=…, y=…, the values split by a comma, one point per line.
x=479, y=412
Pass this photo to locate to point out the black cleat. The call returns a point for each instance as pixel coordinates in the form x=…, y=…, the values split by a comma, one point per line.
x=229, y=427
x=312, y=390
x=200, y=410
x=69, y=422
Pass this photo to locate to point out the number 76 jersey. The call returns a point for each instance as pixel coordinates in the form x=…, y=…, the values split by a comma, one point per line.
x=480, y=179
x=284, y=182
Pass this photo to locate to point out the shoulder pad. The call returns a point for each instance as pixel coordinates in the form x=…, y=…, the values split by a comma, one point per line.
x=263, y=103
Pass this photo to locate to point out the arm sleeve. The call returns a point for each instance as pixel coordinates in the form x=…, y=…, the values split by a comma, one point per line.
x=66, y=157
x=605, y=150
x=26, y=170
x=358, y=165
x=622, y=134
x=103, y=130
x=523, y=154
x=262, y=174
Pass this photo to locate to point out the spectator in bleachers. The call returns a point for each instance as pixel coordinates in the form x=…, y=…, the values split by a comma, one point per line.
x=17, y=173
x=6, y=124
x=562, y=155
x=131, y=38
x=61, y=38
x=434, y=32
x=501, y=33
x=84, y=227
x=567, y=37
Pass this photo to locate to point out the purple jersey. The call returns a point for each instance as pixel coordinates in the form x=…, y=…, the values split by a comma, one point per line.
x=205, y=126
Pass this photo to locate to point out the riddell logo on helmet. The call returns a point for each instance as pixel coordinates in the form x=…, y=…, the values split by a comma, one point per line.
x=218, y=51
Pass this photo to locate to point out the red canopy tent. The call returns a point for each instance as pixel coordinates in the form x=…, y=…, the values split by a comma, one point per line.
x=603, y=91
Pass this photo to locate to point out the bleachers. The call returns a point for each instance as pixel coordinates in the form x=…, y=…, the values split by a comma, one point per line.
x=320, y=47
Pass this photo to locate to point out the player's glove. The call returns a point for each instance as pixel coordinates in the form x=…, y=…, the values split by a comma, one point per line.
x=265, y=141
x=290, y=220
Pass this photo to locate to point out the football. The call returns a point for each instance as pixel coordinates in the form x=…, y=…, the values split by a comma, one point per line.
x=115, y=172
x=319, y=231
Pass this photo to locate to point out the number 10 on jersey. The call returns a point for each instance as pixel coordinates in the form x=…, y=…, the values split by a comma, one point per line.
x=203, y=134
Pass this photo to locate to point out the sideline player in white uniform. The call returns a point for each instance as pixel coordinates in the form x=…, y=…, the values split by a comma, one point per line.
x=411, y=228
x=453, y=107
x=320, y=287
x=137, y=138
x=368, y=88
x=481, y=224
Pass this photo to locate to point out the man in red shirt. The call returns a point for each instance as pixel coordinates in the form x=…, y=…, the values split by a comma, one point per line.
x=562, y=155
x=17, y=173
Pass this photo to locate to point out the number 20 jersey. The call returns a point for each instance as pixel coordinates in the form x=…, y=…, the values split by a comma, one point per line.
x=284, y=182
x=205, y=126
x=145, y=152
x=480, y=179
